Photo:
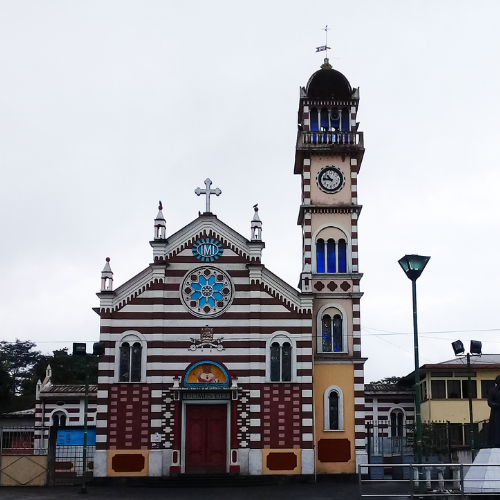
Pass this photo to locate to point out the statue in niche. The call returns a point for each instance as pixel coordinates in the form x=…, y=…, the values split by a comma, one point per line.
x=494, y=404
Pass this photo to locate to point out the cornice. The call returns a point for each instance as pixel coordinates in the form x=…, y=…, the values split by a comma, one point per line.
x=327, y=209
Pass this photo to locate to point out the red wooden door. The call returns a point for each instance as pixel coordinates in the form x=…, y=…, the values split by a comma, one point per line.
x=206, y=435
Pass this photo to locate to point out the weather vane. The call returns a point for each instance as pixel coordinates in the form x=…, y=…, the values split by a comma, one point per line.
x=324, y=47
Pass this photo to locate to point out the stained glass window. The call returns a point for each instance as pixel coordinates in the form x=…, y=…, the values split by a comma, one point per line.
x=342, y=256
x=314, y=119
x=275, y=362
x=326, y=333
x=286, y=362
x=334, y=410
x=337, y=333
x=124, y=362
x=136, y=362
x=207, y=291
x=330, y=249
x=320, y=256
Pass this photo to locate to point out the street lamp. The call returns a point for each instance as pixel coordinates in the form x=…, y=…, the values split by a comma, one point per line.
x=413, y=265
x=475, y=348
x=80, y=349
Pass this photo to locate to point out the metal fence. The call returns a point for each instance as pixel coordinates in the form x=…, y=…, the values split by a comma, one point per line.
x=437, y=480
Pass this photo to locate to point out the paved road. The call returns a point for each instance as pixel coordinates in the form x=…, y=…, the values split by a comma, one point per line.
x=286, y=491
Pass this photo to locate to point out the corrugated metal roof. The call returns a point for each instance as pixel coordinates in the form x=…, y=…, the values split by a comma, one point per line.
x=66, y=389
x=483, y=359
x=388, y=388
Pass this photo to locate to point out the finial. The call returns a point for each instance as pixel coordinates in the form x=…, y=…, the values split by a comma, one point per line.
x=107, y=259
x=256, y=207
x=160, y=206
x=326, y=64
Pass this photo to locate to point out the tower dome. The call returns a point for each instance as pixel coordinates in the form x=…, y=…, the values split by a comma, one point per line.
x=328, y=83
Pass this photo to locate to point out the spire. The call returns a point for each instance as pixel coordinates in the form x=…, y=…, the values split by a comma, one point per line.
x=256, y=225
x=160, y=224
x=107, y=277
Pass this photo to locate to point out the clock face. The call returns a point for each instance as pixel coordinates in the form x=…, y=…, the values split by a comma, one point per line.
x=330, y=179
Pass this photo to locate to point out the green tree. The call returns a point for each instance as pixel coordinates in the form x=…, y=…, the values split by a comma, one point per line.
x=6, y=387
x=18, y=358
x=66, y=369
x=387, y=380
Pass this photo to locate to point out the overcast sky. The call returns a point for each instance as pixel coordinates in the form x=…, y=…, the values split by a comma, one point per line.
x=107, y=107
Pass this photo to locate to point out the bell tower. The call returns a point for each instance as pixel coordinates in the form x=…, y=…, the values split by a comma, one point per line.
x=328, y=158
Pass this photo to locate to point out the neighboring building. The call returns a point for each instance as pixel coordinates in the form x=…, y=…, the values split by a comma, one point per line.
x=445, y=393
x=390, y=409
x=393, y=404
x=215, y=365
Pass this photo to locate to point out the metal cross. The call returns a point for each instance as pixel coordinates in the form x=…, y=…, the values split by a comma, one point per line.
x=207, y=192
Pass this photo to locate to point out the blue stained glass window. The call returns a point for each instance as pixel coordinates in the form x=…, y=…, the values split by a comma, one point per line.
x=314, y=119
x=342, y=256
x=330, y=249
x=320, y=256
x=337, y=333
x=207, y=290
x=326, y=332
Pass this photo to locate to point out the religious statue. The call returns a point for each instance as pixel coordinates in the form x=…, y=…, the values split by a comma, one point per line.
x=494, y=404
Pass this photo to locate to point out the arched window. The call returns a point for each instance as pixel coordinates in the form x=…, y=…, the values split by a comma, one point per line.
x=320, y=256
x=130, y=359
x=331, y=251
x=281, y=364
x=397, y=423
x=332, y=333
x=333, y=401
x=314, y=119
x=342, y=253
x=59, y=419
x=130, y=362
x=334, y=409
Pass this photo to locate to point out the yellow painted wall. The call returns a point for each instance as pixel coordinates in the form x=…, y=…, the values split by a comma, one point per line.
x=341, y=375
x=457, y=410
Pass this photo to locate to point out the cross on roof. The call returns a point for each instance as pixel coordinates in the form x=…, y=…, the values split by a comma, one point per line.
x=207, y=192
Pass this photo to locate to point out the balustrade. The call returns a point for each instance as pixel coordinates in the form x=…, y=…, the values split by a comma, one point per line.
x=332, y=138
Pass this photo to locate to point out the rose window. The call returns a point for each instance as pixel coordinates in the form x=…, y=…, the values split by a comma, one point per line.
x=207, y=291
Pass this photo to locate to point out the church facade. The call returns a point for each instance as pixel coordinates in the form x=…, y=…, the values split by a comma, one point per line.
x=215, y=365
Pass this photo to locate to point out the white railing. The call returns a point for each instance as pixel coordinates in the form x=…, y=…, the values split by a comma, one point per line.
x=429, y=480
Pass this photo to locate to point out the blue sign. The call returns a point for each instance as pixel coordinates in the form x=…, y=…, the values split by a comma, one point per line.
x=74, y=437
x=207, y=250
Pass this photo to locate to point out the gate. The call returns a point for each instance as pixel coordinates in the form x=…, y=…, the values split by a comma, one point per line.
x=23, y=457
x=66, y=455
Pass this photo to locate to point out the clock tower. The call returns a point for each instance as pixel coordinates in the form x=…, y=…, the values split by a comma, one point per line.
x=328, y=158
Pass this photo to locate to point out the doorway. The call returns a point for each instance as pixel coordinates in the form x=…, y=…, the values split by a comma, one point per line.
x=206, y=439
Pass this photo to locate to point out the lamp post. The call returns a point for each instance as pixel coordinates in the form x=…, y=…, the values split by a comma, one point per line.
x=413, y=265
x=80, y=349
x=475, y=348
